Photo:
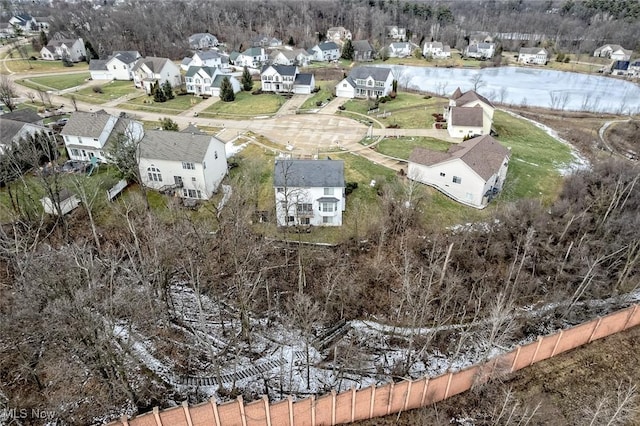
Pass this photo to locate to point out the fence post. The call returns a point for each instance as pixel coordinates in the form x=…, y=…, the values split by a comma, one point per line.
x=595, y=327
x=187, y=413
x=333, y=407
x=535, y=354
x=446, y=391
x=215, y=411
x=267, y=410
x=313, y=410
x=156, y=415
x=391, y=386
x=124, y=421
x=424, y=391
x=553, y=353
x=631, y=314
x=406, y=398
x=243, y=417
x=515, y=359
x=373, y=398
x=290, y=403
x=353, y=404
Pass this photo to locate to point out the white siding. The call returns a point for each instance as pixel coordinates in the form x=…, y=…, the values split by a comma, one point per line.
x=295, y=196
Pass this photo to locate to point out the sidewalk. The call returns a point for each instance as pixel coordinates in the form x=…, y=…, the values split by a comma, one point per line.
x=197, y=109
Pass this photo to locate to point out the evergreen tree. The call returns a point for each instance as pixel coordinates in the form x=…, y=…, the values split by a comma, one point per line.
x=168, y=124
x=168, y=90
x=43, y=38
x=347, y=50
x=158, y=93
x=91, y=52
x=291, y=42
x=226, y=90
x=247, y=81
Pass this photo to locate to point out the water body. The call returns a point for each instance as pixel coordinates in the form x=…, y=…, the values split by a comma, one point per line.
x=529, y=86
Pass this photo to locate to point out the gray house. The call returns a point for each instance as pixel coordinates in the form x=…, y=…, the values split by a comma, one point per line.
x=362, y=51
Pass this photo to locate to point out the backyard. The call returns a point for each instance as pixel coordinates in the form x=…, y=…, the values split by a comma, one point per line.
x=39, y=66
x=245, y=105
x=110, y=90
x=173, y=106
x=55, y=82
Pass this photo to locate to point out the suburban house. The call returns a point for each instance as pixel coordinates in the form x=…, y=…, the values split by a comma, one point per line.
x=326, y=51
x=436, y=50
x=533, y=55
x=634, y=68
x=265, y=41
x=298, y=57
x=362, y=51
x=286, y=79
x=24, y=21
x=476, y=37
x=189, y=165
x=366, y=82
x=149, y=71
x=468, y=114
x=207, y=58
x=303, y=57
x=71, y=49
x=88, y=134
x=338, y=34
x=202, y=41
x=400, y=50
x=471, y=172
x=309, y=192
x=206, y=81
x=18, y=125
x=480, y=50
x=118, y=66
x=613, y=51
x=396, y=33
x=620, y=68
x=254, y=57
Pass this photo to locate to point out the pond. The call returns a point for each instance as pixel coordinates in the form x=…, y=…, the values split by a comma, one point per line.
x=528, y=86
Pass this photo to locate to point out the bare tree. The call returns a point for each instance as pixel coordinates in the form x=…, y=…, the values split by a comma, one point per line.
x=8, y=92
x=477, y=81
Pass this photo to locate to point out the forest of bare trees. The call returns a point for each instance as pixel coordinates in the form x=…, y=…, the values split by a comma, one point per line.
x=161, y=28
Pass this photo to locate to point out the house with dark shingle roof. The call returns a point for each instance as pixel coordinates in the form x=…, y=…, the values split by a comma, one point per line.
x=202, y=41
x=205, y=81
x=309, y=192
x=58, y=48
x=620, y=68
x=468, y=114
x=88, y=134
x=613, y=51
x=362, y=51
x=254, y=57
x=190, y=165
x=366, y=82
x=472, y=172
x=326, y=51
x=533, y=55
x=286, y=79
x=436, y=50
x=151, y=70
x=18, y=125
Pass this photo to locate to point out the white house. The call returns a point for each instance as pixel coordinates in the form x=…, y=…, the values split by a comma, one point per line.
x=14, y=129
x=118, y=66
x=207, y=58
x=71, y=49
x=338, y=34
x=286, y=79
x=436, y=50
x=88, y=134
x=309, y=192
x=480, y=50
x=613, y=51
x=366, y=82
x=149, y=71
x=400, y=50
x=254, y=57
x=472, y=172
x=303, y=58
x=634, y=68
x=327, y=51
x=533, y=55
x=189, y=165
x=205, y=81
x=283, y=57
x=202, y=41
x=620, y=68
x=396, y=33
x=24, y=21
x=469, y=114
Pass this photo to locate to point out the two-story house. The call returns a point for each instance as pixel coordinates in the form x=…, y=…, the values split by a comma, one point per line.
x=24, y=21
x=118, y=66
x=338, y=34
x=468, y=114
x=480, y=50
x=533, y=55
x=254, y=57
x=283, y=57
x=326, y=51
x=366, y=82
x=88, y=134
x=202, y=41
x=19, y=125
x=471, y=172
x=309, y=192
x=362, y=51
x=189, y=165
x=400, y=49
x=70, y=49
x=615, y=52
x=286, y=79
x=396, y=33
x=436, y=50
x=149, y=71
x=206, y=81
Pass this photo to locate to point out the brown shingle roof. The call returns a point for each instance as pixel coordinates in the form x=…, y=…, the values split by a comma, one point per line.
x=463, y=116
x=483, y=154
x=471, y=96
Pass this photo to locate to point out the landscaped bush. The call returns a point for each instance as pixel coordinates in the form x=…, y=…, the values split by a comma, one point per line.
x=316, y=89
x=393, y=126
x=319, y=103
x=97, y=89
x=427, y=97
x=342, y=107
x=350, y=187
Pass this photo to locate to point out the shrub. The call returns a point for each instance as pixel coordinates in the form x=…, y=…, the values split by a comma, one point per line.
x=383, y=100
x=350, y=187
x=567, y=59
x=393, y=126
x=97, y=89
x=316, y=89
x=319, y=103
x=427, y=97
x=342, y=108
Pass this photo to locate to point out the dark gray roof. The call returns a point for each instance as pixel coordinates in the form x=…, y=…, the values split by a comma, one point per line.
x=12, y=128
x=126, y=56
x=309, y=173
x=191, y=71
x=289, y=70
x=98, y=65
x=468, y=117
x=154, y=64
x=361, y=46
x=328, y=45
x=303, y=79
x=207, y=54
x=470, y=96
x=175, y=146
x=364, y=72
x=192, y=128
x=86, y=124
x=23, y=115
x=620, y=65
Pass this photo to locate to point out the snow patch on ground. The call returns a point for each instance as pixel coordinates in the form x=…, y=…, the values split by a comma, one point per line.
x=231, y=149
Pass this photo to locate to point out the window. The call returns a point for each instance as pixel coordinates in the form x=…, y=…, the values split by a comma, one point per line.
x=442, y=174
x=291, y=219
x=327, y=207
x=457, y=179
x=75, y=152
x=327, y=219
x=280, y=190
x=154, y=174
x=215, y=154
x=192, y=193
x=193, y=179
x=177, y=180
x=305, y=221
x=188, y=166
x=328, y=191
x=305, y=208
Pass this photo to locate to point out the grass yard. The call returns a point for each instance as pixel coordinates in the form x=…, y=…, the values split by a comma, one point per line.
x=173, y=106
x=402, y=147
x=56, y=82
x=246, y=105
x=110, y=90
x=326, y=92
x=39, y=66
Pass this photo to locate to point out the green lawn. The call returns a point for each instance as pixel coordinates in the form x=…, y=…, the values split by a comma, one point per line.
x=110, y=90
x=326, y=92
x=56, y=82
x=173, y=106
x=402, y=147
x=246, y=105
x=39, y=66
